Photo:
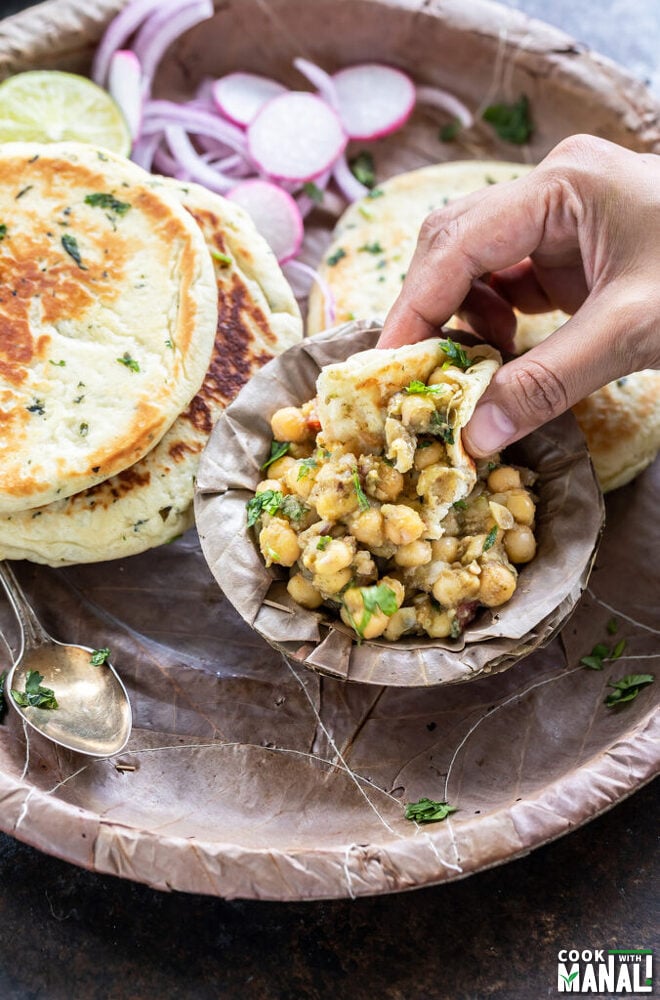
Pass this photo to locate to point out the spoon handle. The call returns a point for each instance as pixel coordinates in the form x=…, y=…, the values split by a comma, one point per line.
x=32, y=631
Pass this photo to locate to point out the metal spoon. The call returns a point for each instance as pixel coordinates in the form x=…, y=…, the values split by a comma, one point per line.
x=93, y=714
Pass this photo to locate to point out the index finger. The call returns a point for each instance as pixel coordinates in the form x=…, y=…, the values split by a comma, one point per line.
x=485, y=231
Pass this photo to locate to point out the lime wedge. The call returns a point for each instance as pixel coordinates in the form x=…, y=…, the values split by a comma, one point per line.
x=50, y=106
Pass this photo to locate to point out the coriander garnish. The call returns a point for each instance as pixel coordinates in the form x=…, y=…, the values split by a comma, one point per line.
x=600, y=651
x=449, y=131
x=363, y=168
x=57, y=364
x=268, y=501
x=277, y=450
x=363, y=500
x=456, y=354
x=417, y=388
x=99, y=656
x=323, y=542
x=70, y=244
x=379, y=597
x=37, y=406
x=428, y=811
x=306, y=466
x=374, y=247
x=490, y=539
x=83, y=429
x=222, y=258
x=335, y=257
x=34, y=696
x=512, y=122
x=3, y=231
x=313, y=191
x=129, y=362
x=627, y=688
x=100, y=200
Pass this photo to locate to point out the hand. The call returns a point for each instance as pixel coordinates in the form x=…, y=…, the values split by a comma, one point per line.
x=581, y=233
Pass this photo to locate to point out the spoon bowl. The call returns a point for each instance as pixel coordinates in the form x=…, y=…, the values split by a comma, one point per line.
x=93, y=714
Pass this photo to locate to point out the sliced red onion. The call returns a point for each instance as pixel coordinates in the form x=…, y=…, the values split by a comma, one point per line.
x=241, y=96
x=296, y=267
x=295, y=137
x=188, y=159
x=118, y=32
x=347, y=182
x=159, y=114
x=144, y=150
x=319, y=79
x=163, y=28
x=167, y=165
x=374, y=100
x=438, y=98
x=125, y=87
x=274, y=213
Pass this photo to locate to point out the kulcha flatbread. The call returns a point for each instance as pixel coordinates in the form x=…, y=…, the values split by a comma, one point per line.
x=359, y=405
x=377, y=236
x=107, y=318
x=151, y=502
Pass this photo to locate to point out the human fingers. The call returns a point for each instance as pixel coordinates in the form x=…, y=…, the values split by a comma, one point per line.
x=533, y=289
x=489, y=315
x=612, y=334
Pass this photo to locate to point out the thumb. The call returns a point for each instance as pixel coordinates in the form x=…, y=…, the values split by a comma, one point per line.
x=573, y=362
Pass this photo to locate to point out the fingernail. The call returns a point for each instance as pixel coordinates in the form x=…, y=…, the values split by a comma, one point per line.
x=490, y=428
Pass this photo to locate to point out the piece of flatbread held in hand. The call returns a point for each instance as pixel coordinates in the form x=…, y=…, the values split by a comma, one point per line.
x=150, y=503
x=360, y=405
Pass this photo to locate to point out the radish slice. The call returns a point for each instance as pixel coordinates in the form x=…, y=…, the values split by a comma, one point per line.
x=118, y=32
x=296, y=137
x=124, y=85
x=188, y=159
x=319, y=79
x=163, y=28
x=274, y=213
x=374, y=100
x=447, y=102
x=347, y=182
x=241, y=96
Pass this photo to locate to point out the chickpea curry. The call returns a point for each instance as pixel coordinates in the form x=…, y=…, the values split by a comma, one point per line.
x=402, y=538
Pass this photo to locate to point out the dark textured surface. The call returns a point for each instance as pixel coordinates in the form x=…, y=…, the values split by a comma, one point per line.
x=65, y=933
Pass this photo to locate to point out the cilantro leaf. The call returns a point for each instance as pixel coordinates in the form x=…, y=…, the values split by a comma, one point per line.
x=459, y=505
x=440, y=427
x=449, y=131
x=99, y=656
x=618, y=649
x=306, y=466
x=70, y=244
x=375, y=193
x=313, y=191
x=323, y=542
x=108, y=201
x=417, y=388
x=363, y=168
x=129, y=362
x=293, y=509
x=612, y=626
x=335, y=257
x=456, y=354
x=269, y=501
x=363, y=500
x=627, y=688
x=34, y=696
x=490, y=539
x=379, y=596
x=277, y=450
x=371, y=248
x=512, y=122
x=3, y=231
x=592, y=662
x=222, y=258
x=428, y=811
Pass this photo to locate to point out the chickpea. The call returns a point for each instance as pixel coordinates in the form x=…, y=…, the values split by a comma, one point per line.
x=279, y=543
x=453, y=586
x=402, y=523
x=430, y=455
x=396, y=587
x=520, y=544
x=417, y=411
x=301, y=450
x=367, y=527
x=364, y=565
x=303, y=592
x=331, y=506
x=440, y=376
x=416, y=553
x=268, y=484
x=521, y=506
x=334, y=494
x=300, y=479
x=382, y=481
x=401, y=621
x=280, y=468
x=378, y=622
x=437, y=624
x=497, y=585
x=336, y=556
x=445, y=549
x=504, y=478
x=332, y=583
x=289, y=424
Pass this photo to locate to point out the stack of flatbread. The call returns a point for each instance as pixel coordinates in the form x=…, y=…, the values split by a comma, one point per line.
x=132, y=310
x=367, y=261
